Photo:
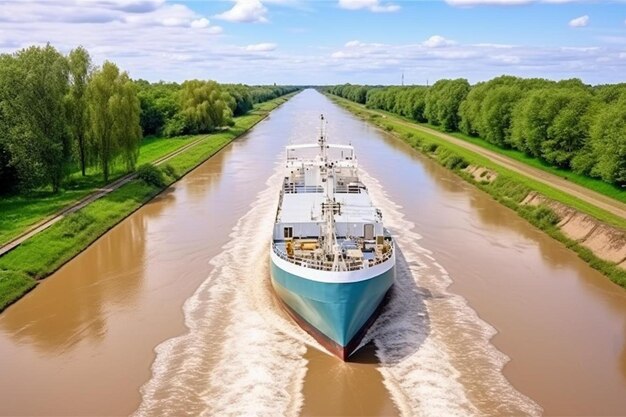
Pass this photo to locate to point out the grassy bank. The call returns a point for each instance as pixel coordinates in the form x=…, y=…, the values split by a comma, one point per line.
x=22, y=211
x=19, y=212
x=509, y=188
x=45, y=252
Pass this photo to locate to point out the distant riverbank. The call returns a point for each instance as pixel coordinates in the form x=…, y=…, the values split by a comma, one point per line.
x=604, y=239
x=41, y=255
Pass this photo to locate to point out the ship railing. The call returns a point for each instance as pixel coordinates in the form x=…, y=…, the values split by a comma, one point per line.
x=327, y=265
x=295, y=189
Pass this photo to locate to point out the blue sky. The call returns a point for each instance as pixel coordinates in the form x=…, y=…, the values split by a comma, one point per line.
x=331, y=41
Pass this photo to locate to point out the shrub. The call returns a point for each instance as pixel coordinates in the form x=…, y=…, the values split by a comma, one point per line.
x=455, y=161
x=430, y=147
x=544, y=216
x=170, y=171
x=151, y=175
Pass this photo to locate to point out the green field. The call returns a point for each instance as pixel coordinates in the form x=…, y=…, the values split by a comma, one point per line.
x=45, y=252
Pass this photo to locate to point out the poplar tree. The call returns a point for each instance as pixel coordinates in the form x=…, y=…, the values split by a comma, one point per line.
x=78, y=116
x=114, y=113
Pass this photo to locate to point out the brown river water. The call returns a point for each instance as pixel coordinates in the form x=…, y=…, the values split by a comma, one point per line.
x=171, y=313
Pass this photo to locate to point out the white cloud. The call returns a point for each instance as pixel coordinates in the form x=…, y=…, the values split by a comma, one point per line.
x=507, y=59
x=345, y=55
x=131, y=6
x=437, y=41
x=245, y=11
x=125, y=12
x=372, y=5
x=261, y=47
x=353, y=44
x=381, y=62
x=579, y=22
x=469, y=3
x=200, y=23
x=487, y=2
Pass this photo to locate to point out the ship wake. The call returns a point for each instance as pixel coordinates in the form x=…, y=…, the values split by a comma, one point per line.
x=435, y=353
x=240, y=355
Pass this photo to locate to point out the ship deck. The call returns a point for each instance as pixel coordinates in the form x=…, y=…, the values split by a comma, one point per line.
x=358, y=254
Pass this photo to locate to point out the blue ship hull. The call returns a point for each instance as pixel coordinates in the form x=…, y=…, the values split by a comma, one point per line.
x=336, y=314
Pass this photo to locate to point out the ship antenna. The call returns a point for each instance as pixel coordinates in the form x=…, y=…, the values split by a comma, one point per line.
x=322, y=139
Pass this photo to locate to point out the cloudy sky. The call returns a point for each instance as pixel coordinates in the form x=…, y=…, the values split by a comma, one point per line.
x=331, y=41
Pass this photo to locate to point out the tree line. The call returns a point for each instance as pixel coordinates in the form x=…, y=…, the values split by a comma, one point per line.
x=567, y=124
x=172, y=109
x=61, y=113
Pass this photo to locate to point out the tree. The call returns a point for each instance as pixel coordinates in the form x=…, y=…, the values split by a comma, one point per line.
x=159, y=103
x=78, y=117
x=552, y=123
x=242, y=99
x=204, y=106
x=496, y=113
x=114, y=111
x=34, y=85
x=608, y=142
x=443, y=101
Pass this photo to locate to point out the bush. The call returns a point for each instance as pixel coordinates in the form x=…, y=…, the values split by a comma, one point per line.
x=455, y=161
x=430, y=147
x=170, y=171
x=544, y=216
x=151, y=175
x=75, y=223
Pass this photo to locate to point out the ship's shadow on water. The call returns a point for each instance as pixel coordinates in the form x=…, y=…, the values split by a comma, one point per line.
x=404, y=323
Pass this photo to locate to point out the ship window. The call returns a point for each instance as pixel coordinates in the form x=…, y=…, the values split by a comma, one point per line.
x=288, y=232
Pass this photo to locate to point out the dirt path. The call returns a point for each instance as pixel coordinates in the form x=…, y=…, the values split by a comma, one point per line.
x=604, y=202
x=101, y=192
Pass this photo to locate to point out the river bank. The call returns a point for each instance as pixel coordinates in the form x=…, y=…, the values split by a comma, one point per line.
x=605, y=253
x=44, y=253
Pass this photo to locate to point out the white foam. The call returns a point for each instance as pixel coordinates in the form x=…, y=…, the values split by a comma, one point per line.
x=426, y=332
x=240, y=356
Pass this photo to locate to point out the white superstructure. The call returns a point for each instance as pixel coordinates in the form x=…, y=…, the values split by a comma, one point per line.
x=325, y=217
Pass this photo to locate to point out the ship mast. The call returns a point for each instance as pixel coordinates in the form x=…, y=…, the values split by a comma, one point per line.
x=330, y=206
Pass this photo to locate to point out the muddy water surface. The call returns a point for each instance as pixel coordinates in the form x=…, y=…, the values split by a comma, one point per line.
x=171, y=310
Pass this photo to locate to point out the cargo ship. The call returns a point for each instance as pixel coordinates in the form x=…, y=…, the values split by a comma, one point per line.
x=332, y=262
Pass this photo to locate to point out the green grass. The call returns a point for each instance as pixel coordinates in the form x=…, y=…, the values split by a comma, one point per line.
x=152, y=148
x=509, y=188
x=594, y=184
x=22, y=211
x=13, y=285
x=45, y=252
